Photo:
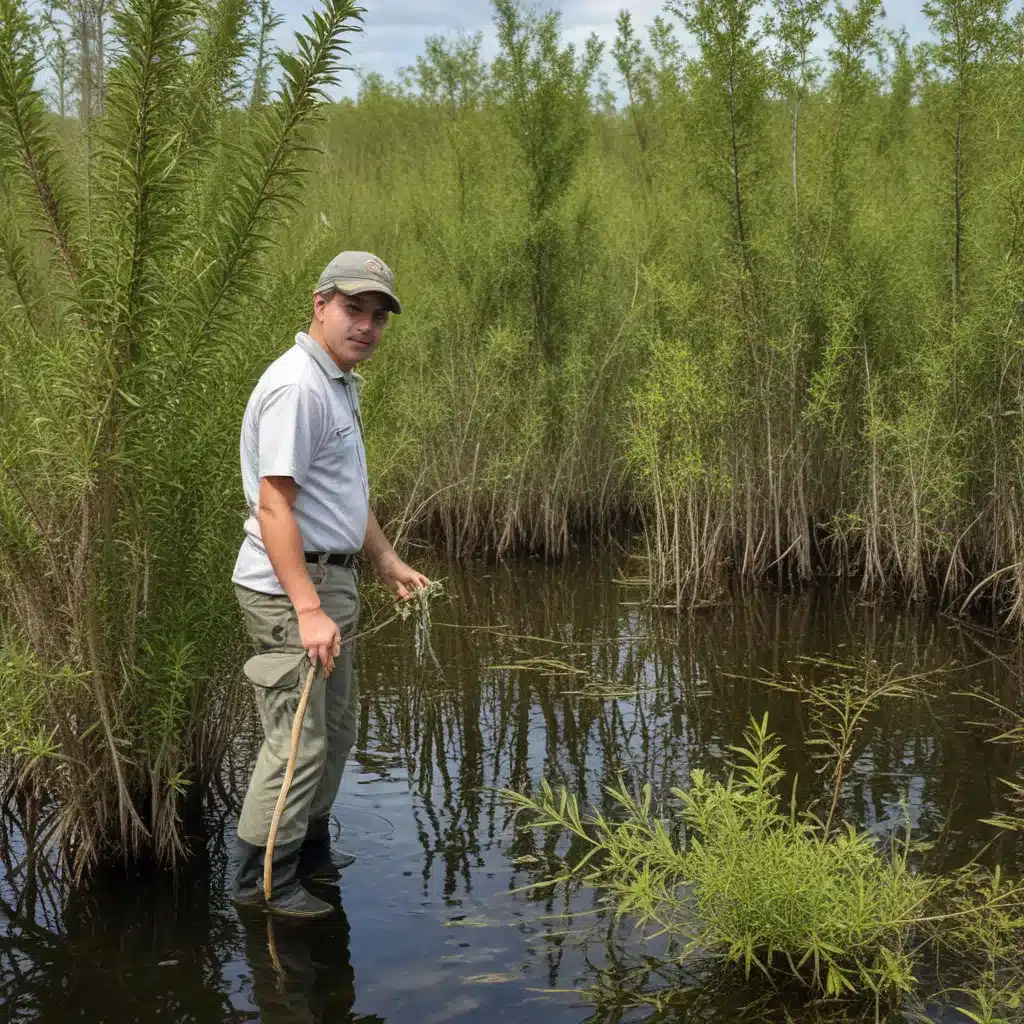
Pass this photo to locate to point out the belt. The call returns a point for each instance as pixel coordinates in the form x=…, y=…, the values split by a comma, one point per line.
x=344, y=559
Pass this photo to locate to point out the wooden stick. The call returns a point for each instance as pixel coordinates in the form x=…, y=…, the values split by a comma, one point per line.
x=289, y=772
x=286, y=783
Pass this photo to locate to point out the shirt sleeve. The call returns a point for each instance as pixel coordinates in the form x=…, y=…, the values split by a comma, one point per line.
x=290, y=422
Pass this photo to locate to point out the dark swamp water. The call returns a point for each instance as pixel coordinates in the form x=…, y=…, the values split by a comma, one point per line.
x=428, y=927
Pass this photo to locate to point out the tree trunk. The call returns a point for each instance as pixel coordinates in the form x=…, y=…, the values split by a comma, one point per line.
x=958, y=226
x=796, y=129
x=99, y=14
x=740, y=233
x=85, y=64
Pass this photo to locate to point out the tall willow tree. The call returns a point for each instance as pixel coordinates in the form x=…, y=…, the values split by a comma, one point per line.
x=855, y=33
x=57, y=53
x=452, y=76
x=267, y=23
x=730, y=80
x=123, y=367
x=544, y=88
x=971, y=34
x=902, y=77
x=796, y=24
x=635, y=75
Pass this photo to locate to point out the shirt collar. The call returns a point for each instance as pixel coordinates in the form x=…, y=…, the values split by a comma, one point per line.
x=324, y=361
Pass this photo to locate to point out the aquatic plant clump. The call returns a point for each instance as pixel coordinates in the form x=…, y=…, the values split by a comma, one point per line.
x=754, y=884
x=771, y=887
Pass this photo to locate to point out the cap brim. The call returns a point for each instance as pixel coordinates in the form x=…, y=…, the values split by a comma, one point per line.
x=358, y=287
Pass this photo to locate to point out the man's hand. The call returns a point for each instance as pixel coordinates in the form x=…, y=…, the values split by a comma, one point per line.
x=320, y=636
x=401, y=578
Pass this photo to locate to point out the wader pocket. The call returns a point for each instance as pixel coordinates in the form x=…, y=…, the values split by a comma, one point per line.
x=270, y=621
x=275, y=669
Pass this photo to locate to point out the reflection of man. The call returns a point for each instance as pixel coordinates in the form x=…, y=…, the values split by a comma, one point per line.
x=301, y=972
x=304, y=474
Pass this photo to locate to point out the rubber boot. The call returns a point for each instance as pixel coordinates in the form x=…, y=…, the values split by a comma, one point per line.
x=245, y=873
x=287, y=895
x=318, y=860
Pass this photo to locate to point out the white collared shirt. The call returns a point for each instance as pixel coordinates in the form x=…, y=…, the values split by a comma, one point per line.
x=302, y=421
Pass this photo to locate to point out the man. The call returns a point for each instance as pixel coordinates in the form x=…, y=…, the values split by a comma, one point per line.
x=304, y=475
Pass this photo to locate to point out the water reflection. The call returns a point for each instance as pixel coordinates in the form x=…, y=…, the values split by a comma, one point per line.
x=301, y=970
x=430, y=929
x=684, y=691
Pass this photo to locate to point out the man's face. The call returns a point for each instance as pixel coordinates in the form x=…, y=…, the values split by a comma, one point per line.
x=351, y=324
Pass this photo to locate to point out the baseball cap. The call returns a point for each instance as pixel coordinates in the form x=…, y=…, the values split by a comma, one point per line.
x=355, y=272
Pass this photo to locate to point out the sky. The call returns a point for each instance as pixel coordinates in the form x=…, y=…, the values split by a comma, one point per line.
x=394, y=30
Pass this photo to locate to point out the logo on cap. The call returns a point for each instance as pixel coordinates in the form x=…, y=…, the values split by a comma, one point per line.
x=378, y=269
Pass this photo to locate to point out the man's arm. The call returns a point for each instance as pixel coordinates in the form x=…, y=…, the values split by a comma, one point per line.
x=281, y=537
x=391, y=569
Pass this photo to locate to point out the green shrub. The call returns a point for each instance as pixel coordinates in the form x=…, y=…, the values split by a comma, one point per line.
x=757, y=884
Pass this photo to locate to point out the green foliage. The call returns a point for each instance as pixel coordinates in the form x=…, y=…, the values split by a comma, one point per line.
x=729, y=81
x=762, y=886
x=722, y=322
x=30, y=155
x=544, y=90
x=796, y=24
x=269, y=22
x=636, y=76
x=451, y=73
x=733, y=325
x=966, y=61
x=123, y=381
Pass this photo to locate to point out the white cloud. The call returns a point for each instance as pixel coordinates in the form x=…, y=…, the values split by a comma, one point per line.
x=394, y=30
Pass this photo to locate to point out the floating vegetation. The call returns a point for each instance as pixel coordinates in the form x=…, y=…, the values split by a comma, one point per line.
x=549, y=666
x=590, y=686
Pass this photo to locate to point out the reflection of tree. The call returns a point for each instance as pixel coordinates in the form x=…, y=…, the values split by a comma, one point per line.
x=688, y=695
x=682, y=693
x=96, y=952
